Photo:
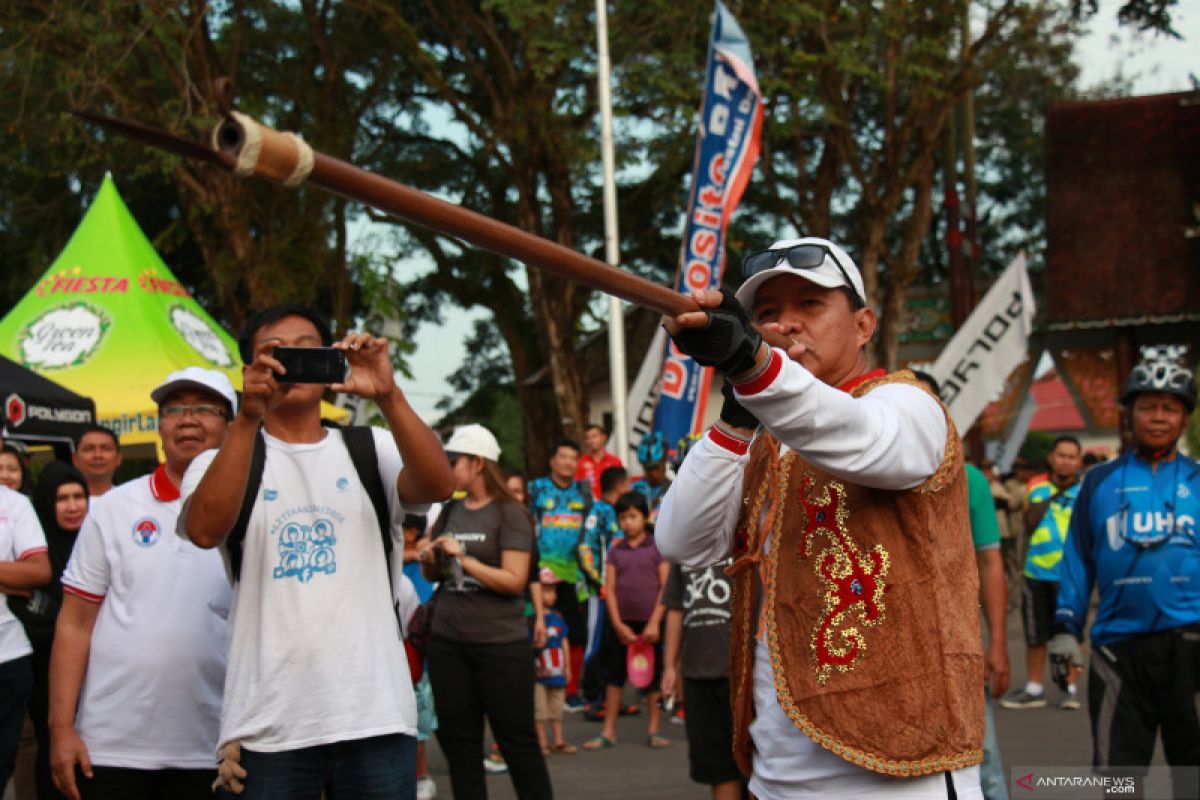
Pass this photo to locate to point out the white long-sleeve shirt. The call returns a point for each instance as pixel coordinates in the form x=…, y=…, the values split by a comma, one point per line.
x=891, y=438
x=894, y=438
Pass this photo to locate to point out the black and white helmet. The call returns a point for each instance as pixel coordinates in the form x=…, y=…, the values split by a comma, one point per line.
x=1160, y=376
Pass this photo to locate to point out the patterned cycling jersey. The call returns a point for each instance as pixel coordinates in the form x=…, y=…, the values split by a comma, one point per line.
x=1046, y=542
x=559, y=513
x=654, y=496
x=1133, y=534
x=600, y=532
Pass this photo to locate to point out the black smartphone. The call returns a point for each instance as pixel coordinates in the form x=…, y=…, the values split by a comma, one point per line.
x=311, y=364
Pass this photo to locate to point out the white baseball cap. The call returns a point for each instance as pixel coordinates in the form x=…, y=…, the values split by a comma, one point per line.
x=206, y=380
x=474, y=440
x=828, y=273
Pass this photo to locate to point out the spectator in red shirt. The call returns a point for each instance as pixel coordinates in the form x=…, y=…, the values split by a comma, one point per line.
x=596, y=459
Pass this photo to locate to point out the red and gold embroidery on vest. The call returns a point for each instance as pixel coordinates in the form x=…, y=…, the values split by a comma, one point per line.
x=851, y=581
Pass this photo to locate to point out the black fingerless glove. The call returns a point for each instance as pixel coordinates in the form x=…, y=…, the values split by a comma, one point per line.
x=734, y=413
x=728, y=343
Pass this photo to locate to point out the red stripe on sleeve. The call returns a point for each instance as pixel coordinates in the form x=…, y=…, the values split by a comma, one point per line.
x=727, y=442
x=33, y=551
x=82, y=595
x=764, y=379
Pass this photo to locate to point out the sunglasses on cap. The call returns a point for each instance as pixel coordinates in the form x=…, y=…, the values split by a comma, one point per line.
x=799, y=256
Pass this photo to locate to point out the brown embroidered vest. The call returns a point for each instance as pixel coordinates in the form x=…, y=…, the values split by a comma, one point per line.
x=869, y=607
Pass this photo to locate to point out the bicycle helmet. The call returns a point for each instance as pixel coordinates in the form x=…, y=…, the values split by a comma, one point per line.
x=652, y=449
x=1160, y=376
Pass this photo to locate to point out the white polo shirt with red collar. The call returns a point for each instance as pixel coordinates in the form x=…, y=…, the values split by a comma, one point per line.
x=151, y=697
x=21, y=537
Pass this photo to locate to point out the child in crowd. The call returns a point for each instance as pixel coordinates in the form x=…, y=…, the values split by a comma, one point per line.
x=634, y=578
x=600, y=533
x=553, y=672
x=696, y=652
x=414, y=528
x=409, y=593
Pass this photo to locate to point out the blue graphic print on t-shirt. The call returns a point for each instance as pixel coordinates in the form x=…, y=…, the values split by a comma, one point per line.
x=306, y=543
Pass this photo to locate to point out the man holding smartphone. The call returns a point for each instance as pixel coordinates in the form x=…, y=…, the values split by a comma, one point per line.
x=318, y=692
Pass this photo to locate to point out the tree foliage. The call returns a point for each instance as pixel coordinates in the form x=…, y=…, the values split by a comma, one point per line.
x=492, y=104
x=1145, y=15
x=244, y=244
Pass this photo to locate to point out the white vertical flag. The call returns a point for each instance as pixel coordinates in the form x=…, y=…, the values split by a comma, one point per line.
x=975, y=364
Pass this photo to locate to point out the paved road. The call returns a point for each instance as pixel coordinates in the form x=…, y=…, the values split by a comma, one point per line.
x=630, y=771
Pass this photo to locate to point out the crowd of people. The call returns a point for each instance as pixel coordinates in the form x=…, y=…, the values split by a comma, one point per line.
x=285, y=609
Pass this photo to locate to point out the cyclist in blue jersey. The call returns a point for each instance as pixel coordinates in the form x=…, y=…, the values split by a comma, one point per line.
x=1050, y=502
x=560, y=505
x=1133, y=537
x=652, y=453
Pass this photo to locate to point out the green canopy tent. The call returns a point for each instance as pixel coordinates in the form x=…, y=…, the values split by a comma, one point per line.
x=109, y=321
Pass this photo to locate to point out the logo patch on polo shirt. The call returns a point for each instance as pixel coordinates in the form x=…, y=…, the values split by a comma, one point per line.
x=146, y=531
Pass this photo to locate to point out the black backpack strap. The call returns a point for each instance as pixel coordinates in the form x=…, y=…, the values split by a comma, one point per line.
x=443, y=519
x=237, y=534
x=360, y=442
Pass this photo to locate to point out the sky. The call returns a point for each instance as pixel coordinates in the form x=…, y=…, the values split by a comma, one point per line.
x=1155, y=64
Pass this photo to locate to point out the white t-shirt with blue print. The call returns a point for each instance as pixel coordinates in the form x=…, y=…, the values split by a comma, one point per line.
x=315, y=656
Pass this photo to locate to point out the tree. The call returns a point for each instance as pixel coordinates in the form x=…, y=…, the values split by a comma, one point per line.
x=1145, y=15
x=858, y=97
x=491, y=104
x=512, y=87
x=311, y=65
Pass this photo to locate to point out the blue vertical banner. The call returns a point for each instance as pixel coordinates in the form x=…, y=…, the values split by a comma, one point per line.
x=727, y=146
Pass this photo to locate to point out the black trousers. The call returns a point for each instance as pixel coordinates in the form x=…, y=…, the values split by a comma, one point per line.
x=120, y=783
x=39, y=714
x=16, y=684
x=1140, y=686
x=473, y=680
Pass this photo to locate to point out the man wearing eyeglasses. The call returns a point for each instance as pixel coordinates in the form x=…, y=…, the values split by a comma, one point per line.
x=138, y=663
x=841, y=494
x=1133, y=536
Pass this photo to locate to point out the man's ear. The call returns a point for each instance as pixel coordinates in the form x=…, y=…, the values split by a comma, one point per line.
x=865, y=323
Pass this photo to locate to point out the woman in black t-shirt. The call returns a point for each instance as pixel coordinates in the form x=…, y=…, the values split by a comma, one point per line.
x=479, y=653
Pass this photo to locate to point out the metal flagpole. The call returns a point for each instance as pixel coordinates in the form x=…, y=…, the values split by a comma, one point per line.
x=612, y=243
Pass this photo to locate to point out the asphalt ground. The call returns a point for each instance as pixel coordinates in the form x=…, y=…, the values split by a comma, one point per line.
x=1029, y=738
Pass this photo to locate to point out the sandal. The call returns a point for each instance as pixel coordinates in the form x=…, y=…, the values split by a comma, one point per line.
x=598, y=743
x=566, y=749
x=657, y=742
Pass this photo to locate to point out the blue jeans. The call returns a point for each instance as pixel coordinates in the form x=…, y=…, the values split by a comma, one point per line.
x=378, y=768
x=991, y=771
x=16, y=685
